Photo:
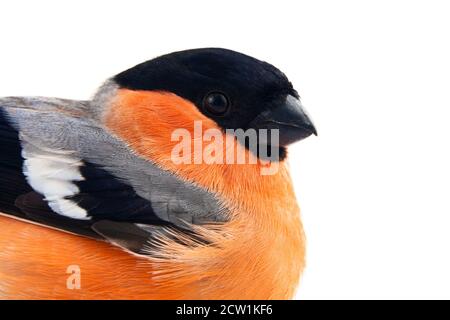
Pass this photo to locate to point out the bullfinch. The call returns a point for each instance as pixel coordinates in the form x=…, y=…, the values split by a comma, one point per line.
x=130, y=194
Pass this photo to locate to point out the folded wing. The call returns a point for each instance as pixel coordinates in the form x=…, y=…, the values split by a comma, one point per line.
x=60, y=167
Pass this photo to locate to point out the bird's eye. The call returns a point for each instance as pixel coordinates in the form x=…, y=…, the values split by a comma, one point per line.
x=216, y=103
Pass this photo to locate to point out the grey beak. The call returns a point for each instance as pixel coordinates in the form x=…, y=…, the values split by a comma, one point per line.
x=290, y=119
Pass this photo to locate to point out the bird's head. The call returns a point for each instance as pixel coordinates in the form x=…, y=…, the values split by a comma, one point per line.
x=224, y=89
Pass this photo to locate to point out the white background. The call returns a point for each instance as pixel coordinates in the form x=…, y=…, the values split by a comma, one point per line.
x=375, y=75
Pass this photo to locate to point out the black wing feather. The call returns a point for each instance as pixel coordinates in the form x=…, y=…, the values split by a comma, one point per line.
x=12, y=180
x=36, y=209
x=104, y=196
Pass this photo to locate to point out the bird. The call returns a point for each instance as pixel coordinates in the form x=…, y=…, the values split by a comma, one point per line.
x=92, y=185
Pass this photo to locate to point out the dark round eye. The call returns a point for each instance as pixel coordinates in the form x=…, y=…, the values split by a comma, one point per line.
x=216, y=103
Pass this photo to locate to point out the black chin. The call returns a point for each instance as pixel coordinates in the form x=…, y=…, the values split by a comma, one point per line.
x=273, y=153
x=267, y=152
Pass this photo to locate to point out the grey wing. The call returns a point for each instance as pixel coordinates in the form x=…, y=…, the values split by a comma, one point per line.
x=83, y=172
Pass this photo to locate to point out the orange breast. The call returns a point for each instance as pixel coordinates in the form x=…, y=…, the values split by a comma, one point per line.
x=34, y=261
